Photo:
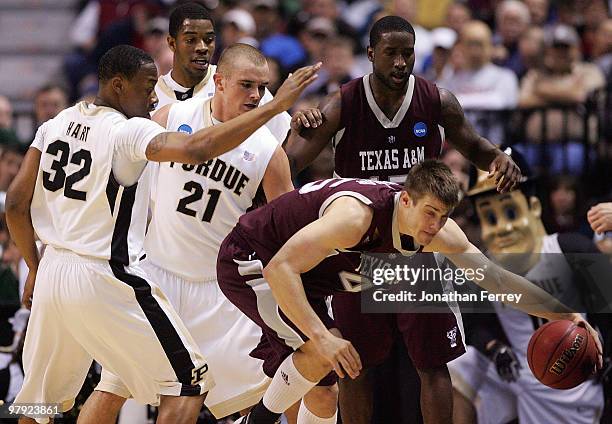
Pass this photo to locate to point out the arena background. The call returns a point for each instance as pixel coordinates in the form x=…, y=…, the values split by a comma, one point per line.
x=49, y=51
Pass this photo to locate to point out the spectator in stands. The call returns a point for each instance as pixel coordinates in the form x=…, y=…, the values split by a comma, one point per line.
x=337, y=65
x=48, y=102
x=457, y=15
x=443, y=40
x=538, y=11
x=282, y=47
x=562, y=211
x=329, y=9
x=313, y=36
x=238, y=27
x=156, y=45
x=563, y=80
x=511, y=19
x=10, y=161
x=478, y=83
x=531, y=50
x=6, y=113
x=602, y=49
x=276, y=75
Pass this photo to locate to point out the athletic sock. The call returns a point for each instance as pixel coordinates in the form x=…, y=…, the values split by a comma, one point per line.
x=307, y=417
x=287, y=387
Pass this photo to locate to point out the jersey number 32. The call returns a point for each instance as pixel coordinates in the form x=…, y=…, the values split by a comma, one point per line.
x=58, y=179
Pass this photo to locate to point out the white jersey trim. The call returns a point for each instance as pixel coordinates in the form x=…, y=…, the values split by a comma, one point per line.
x=380, y=115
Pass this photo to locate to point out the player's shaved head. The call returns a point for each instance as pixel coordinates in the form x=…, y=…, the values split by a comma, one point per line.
x=237, y=54
x=122, y=60
x=389, y=24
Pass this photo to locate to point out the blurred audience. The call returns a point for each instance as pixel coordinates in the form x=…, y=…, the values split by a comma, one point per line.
x=338, y=63
x=479, y=84
x=6, y=113
x=531, y=50
x=457, y=15
x=562, y=211
x=238, y=27
x=443, y=40
x=48, y=102
x=512, y=19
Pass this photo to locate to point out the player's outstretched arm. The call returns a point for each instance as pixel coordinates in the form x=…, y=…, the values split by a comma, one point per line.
x=342, y=226
x=453, y=243
x=211, y=142
x=474, y=147
x=306, y=141
x=19, y=219
x=277, y=178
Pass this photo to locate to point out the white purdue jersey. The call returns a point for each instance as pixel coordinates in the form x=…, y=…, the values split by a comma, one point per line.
x=169, y=91
x=91, y=194
x=196, y=206
x=551, y=273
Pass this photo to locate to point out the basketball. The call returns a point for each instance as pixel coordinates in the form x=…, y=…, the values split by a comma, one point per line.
x=561, y=354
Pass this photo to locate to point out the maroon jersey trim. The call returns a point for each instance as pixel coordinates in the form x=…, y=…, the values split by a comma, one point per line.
x=363, y=199
x=379, y=114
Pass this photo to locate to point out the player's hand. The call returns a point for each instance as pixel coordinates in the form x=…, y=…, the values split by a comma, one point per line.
x=505, y=360
x=581, y=322
x=308, y=118
x=340, y=354
x=600, y=217
x=506, y=173
x=294, y=85
x=28, y=290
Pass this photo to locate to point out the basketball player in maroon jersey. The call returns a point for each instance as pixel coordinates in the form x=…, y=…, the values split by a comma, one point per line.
x=263, y=270
x=381, y=125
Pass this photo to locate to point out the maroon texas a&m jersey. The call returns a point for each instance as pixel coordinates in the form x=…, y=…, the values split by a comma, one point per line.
x=268, y=228
x=370, y=145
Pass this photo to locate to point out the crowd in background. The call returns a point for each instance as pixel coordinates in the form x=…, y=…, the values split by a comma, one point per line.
x=526, y=72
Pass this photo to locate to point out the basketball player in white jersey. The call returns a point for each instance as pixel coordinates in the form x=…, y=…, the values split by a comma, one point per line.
x=83, y=192
x=496, y=386
x=192, y=40
x=195, y=208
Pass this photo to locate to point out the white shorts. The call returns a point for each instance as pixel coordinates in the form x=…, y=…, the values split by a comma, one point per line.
x=222, y=332
x=497, y=402
x=86, y=309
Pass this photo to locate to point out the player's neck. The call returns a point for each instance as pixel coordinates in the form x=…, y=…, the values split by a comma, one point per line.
x=387, y=99
x=218, y=110
x=183, y=78
x=102, y=100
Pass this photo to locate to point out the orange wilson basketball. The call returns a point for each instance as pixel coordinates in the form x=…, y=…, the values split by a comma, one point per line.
x=561, y=355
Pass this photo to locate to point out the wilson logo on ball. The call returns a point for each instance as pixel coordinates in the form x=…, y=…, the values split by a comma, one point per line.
x=567, y=355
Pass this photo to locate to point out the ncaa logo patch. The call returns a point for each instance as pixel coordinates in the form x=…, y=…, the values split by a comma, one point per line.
x=420, y=129
x=185, y=129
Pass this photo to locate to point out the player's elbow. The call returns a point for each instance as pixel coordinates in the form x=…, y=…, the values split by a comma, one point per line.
x=16, y=202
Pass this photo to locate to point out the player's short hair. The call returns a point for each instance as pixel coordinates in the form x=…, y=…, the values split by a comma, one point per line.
x=435, y=178
x=239, y=51
x=122, y=60
x=187, y=10
x=389, y=24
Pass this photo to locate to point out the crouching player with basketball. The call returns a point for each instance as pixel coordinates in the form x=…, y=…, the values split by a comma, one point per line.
x=281, y=260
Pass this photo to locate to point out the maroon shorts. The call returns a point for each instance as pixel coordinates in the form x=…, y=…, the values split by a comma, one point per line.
x=432, y=339
x=239, y=273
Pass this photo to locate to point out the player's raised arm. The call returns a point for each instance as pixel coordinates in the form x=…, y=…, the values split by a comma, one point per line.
x=342, y=226
x=213, y=141
x=476, y=148
x=306, y=141
x=453, y=243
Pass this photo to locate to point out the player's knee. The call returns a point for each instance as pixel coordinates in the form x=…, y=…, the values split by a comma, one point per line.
x=437, y=376
x=311, y=362
x=323, y=399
